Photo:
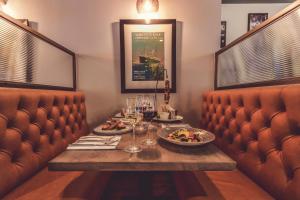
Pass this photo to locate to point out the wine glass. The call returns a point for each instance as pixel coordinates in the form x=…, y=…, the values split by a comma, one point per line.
x=133, y=119
x=150, y=141
x=149, y=103
x=131, y=106
x=139, y=104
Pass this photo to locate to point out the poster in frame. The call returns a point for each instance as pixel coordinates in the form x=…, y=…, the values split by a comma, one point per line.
x=255, y=19
x=24, y=21
x=148, y=55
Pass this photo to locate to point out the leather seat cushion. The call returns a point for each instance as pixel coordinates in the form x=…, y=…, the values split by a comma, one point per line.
x=260, y=129
x=229, y=185
x=61, y=185
x=36, y=126
x=234, y=185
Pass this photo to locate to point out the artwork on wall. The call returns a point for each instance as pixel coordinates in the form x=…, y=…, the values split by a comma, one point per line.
x=24, y=21
x=223, y=33
x=148, y=51
x=255, y=19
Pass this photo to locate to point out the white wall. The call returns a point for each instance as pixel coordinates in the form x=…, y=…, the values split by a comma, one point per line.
x=236, y=16
x=90, y=29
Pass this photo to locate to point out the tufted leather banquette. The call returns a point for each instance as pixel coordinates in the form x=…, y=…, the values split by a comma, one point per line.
x=35, y=126
x=260, y=129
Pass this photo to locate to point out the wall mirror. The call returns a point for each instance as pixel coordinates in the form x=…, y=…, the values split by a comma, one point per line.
x=29, y=59
x=240, y=16
x=268, y=55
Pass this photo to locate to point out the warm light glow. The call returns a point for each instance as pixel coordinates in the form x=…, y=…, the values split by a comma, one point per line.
x=148, y=17
x=6, y=8
x=3, y=2
x=148, y=20
x=147, y=6
x=8, y=11
x=147, y=9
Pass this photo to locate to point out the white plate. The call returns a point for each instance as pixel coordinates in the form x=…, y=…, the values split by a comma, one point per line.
x=99, y=131
x=119, y=115
x=208, y=137
x=178, y=118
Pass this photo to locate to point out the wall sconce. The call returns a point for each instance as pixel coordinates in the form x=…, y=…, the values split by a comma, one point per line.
x=147, y=6
x=3, y=2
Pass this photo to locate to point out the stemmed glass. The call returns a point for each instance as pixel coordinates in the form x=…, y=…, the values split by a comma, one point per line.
x=134, y=118
x=150, y=141
x=149, y=112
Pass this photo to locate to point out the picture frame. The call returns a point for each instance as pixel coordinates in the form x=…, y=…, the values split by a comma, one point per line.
x=223, y=33
x=148, y=55
x=24, y=21
x=255, y=19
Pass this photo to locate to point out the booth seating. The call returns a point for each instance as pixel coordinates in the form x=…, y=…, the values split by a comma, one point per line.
x=36, y=126
x=260, y=129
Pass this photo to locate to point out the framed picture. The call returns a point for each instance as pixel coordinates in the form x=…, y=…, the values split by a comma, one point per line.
x=148, y=55
x=256, y=18
x=24, y=21
x=223, y=33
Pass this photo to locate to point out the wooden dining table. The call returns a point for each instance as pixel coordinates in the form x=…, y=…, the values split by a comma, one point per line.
x=163, y=156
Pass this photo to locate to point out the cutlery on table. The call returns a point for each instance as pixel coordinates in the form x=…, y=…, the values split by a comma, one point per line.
x=97, y=141
x=87, y=145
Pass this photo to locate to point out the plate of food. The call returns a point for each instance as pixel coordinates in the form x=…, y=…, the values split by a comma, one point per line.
x=176, y=119
x=187, y=136
x=119, y=115
x=113, y=127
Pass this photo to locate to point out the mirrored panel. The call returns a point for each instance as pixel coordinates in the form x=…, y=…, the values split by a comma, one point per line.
x=28, y=59
x=241, y=16
x=270, y=55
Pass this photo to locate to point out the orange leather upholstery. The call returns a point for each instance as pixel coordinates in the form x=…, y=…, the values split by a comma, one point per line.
x=260, y=129
x=49, y=185
x=35, y=126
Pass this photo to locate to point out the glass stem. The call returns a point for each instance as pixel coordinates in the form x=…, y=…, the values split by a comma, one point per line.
x=148, y=133
x=133, y=135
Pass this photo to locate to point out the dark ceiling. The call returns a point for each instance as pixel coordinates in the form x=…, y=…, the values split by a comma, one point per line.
x=256, y=1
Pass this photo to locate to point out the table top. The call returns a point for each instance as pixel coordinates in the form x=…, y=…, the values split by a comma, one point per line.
x=163, y=156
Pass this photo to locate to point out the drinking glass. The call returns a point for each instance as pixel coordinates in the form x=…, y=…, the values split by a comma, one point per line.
x=149, y=141
x=131, y=106
x=149, y=104
x=139, y=104
x=133, y=119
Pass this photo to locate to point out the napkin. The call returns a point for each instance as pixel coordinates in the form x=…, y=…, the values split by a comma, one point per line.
x=95, y=143
x=176, y=126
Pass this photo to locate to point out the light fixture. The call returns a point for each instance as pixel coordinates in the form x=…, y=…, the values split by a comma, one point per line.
x=3, y=2
x=147, y=6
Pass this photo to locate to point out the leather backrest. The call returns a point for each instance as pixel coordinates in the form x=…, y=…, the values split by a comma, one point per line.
x=35, y=126
x=260, y=129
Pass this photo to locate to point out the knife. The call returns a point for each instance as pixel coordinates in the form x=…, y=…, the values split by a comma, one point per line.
x=87, y=145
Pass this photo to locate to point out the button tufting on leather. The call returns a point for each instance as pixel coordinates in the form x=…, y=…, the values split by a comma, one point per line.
x=24, y=137
x=28, y=119
x=242, y=103
x=267, y=146
x=14, y=158
x=234, y=113
x=35, y=149
x=258, y=104
x=243, y=147
x=268, y=123
x=263, y=158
